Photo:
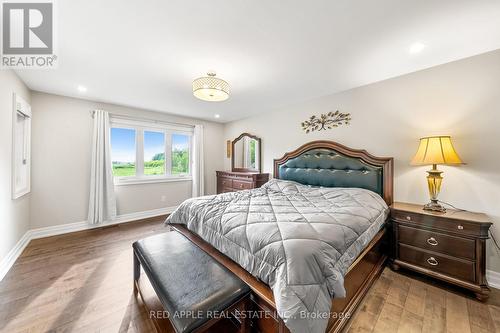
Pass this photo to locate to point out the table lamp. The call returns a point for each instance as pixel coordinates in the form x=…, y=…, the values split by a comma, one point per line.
x=435, y=150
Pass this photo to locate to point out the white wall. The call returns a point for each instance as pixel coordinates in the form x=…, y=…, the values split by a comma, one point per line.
x=62, y=130
x=14, y=214
x=460, y=98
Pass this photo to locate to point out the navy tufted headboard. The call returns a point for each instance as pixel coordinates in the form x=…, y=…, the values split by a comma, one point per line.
x=329, y=164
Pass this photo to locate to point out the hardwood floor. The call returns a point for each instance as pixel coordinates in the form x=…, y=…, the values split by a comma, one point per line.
x=82, y=282
x=405, y=302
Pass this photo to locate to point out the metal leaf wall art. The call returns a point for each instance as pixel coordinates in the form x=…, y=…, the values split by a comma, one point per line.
x=326, y=121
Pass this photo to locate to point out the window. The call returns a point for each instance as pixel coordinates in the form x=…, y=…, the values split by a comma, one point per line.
x=154, y=153
x=123, y=151
x=21, y=183
x=180, y=154
x=143, y=152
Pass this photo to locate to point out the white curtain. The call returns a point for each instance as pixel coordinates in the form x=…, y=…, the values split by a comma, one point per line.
x=198, y=168
x=102, y=202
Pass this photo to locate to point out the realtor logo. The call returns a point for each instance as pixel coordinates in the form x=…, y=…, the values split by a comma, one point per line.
x=28, y=34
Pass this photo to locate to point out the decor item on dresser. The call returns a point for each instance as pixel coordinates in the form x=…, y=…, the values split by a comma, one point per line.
x=228, y=181
x=245, y=153
x=435, y=150
x=449, y=246
x=326, y=121
x=228, y=148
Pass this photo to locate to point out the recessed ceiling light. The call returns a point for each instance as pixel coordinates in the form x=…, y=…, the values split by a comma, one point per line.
x=217, y=116
x=416, y=48
x=82, y=89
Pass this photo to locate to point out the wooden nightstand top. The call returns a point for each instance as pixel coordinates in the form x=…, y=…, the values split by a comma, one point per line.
x=450, y=213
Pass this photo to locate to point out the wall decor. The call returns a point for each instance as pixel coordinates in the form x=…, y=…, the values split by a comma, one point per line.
x=21, y=147
x=326, y=121
x=228, y=148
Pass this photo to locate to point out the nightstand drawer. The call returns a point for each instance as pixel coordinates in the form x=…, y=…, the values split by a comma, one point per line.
x=437, y=222
x=437, y=242
x=460, y=269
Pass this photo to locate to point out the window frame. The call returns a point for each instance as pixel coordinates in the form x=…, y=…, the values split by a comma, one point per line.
x=168, y=130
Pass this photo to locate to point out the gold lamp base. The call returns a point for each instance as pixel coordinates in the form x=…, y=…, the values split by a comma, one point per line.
x=435, y=207
x=434, y=180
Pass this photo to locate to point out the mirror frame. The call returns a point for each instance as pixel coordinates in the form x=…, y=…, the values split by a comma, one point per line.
x=259, y=166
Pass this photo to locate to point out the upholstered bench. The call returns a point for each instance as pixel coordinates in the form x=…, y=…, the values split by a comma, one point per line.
x=193, y=288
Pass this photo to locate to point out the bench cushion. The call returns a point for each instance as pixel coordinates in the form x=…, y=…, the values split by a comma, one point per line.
x=185, y=278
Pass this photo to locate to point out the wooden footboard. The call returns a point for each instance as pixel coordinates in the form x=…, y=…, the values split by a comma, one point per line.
x=361, y=275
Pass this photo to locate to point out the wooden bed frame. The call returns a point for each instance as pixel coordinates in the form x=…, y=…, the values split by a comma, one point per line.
x=361, y=274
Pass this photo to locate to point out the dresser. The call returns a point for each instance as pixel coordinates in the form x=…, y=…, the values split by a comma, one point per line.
x=230, y=181
x=448, y=246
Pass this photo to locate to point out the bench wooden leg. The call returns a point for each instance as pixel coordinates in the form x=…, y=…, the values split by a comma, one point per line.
x=137, y=272
x=244, y=308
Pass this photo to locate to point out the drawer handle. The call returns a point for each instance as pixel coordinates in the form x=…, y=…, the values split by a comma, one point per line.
x=241, y=185
x=432, y=261
x=408, y=218
x=432, y=241
x=460, y=227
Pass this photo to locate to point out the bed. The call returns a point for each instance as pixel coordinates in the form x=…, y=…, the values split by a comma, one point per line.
x=315, y=232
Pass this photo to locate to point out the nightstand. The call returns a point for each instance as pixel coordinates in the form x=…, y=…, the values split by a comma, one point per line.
x=448, y=246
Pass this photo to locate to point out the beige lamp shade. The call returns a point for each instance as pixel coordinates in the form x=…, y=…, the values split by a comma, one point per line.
x=436, y=150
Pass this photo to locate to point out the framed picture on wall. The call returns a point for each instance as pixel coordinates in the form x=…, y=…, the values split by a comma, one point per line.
x=21, y=147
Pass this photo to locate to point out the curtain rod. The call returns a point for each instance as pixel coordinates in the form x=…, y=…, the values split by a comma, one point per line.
x=115, y=115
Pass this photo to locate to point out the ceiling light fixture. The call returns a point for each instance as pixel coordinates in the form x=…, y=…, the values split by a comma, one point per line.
x=210, y=88
x=416, y=48
x=217, y=116
x=82, y=89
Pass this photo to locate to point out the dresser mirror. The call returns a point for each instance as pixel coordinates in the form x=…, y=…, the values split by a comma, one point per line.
x=245, y=155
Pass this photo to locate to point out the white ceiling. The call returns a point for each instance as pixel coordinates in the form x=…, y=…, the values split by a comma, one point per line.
x=273, y=53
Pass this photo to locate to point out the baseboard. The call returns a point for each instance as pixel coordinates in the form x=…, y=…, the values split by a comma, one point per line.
x=493, y=279
x=13, y=254
x=79, y=226
x=10, y=259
